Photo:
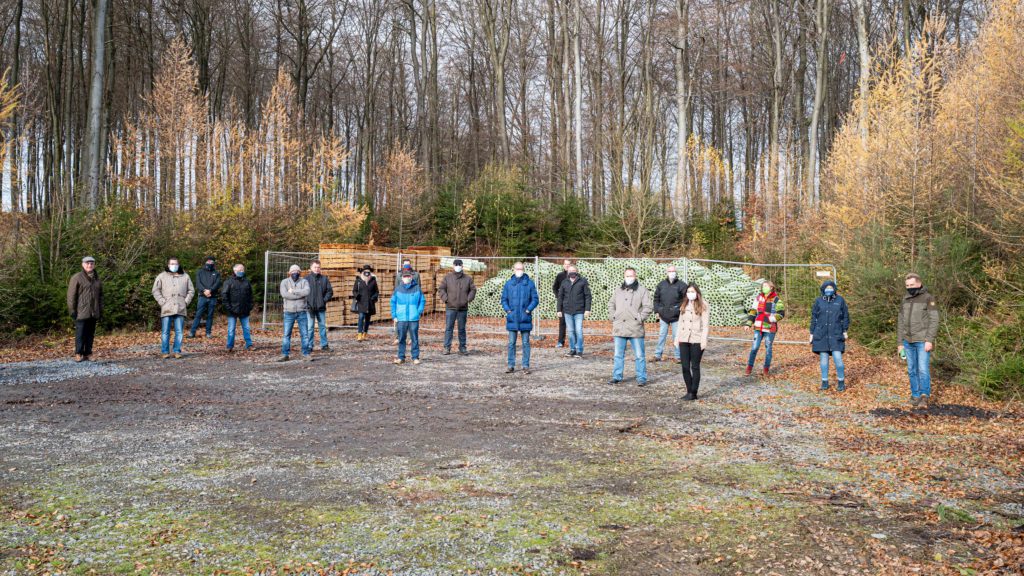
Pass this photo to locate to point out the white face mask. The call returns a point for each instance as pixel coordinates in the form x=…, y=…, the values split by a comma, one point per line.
x=691, y=295
x=173, y=267
x=630, y=280
x=671, y=276
x=407, y=281
x=519, y=273
x=458, y=268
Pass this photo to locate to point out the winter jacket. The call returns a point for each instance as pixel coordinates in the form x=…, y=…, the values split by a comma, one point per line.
x=320, y=292
x=628, y=307
x=574, y=297
x=559, y=278
x=830, y=319
x=294, y=301
x=174, y=292
x=519, y=299
x=761, y=311
x=365, y=294
x=208, y=280
x=694, y=328
x=407, y=302
x=668, y=297
x=85, y=296
x=236, y=296
x=456, y=291
x=415, y=276
x=918, y=318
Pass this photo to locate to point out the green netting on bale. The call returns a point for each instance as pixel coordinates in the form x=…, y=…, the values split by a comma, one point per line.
x=728, y=290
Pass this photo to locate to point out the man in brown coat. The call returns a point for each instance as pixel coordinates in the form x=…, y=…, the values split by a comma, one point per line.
x=85, y=304
x=456, y=291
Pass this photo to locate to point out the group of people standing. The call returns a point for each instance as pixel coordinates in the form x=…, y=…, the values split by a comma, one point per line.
x=681, y=310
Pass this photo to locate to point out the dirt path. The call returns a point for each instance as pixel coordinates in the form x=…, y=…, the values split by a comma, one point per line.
x=231, y=464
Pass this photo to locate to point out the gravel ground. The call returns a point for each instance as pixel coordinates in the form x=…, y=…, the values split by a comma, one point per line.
x=231, y=463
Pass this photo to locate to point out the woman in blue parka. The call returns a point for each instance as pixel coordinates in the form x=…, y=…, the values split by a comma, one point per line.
x=830, y=319
x=519, y=299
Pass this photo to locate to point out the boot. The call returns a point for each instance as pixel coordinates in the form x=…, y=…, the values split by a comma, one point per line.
x=765, y=372
x=824, y=384
x=750, y=369
x=841, y=386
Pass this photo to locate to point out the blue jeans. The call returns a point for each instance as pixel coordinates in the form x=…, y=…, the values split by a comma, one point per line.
x=574, y=331
x=512, y=337
x=918, y=369
x=663, y=334
x=450, y=317
x=837, y=357
x=768, y=338
x=246, y=334
x=311, y=318
x=363, y=324
x=410, y=330
x=620, y=358
x=290, y=320
x=206, y=307
x=165, y=333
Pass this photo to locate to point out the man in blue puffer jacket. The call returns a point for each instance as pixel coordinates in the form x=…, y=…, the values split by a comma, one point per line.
x=407, y=303
x=830, y=319
x=519, y=299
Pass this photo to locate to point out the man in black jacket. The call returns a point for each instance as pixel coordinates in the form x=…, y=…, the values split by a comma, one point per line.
x=668, y=297
x=320, y=292
x=208, y=283
x=236, y=294
x=558, y=283
x=573, y=304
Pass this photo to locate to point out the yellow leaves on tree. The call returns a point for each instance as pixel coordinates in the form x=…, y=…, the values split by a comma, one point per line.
x=399, y=190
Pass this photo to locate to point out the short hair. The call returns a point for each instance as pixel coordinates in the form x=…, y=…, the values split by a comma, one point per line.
x=630, y=269
x=174, y=258
x=237, y=266
x=569, y=260
x=912, y=276
x=520, y=262
x=314, y=262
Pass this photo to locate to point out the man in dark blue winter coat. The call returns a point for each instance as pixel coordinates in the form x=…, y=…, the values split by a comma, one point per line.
x=830, y=319
x=208, y=283
x=519, y=298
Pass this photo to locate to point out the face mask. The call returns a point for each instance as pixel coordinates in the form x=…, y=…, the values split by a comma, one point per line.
x=367, y=274
x=295, y=277
x=519, y=273
x=630, y=280
x=240, y=274
x=406, y=281
x=173, y=267
x=766, y=290
x=691, y=295
x=573, y=275
x=458, y=268
x=914, y=291
x=671, y=276
x=209, y=267
x=406, y=266
x=829, y=291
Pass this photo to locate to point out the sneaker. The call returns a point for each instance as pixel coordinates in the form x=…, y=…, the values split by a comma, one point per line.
x=614, y=381
x=446, y=352
x=177, y=356
x=824, y=384
x=578, y=355
x=307, y=358
x=283, y=358
x=230, y=349
x=841, y=387
x=657, y=359
x=526, y=370
x=688, y=396
x=325, y=348
x=416, y=361
x=166, y=356
x=463, y=352
x=250, y=348
x=509, y=370
x=750, y=369
x=570, y=354
x=559, y=345
x=924, y=403
x=79, y=357
x=641, y=383
x=915, y=401
x=398, y=361
x=190, y=335
x=208, y=335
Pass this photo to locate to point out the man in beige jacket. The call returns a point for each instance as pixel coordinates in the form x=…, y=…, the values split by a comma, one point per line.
x=173, y=290
x=629, y=306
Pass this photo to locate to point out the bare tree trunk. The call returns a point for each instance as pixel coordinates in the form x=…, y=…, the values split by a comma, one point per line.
x=684, y=90
x=821, y=17
x=578, y=109
x=860, y=16
x=96, y=125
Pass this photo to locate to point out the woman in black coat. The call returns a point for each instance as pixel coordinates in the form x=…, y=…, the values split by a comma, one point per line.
x=830, y=319
x=364, y=299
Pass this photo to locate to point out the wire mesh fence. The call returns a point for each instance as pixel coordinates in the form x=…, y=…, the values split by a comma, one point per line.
x=729, y=287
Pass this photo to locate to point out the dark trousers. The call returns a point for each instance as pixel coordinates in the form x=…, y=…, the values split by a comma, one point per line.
x=204, y=309
x=690, y=355
x=85, y=331
x=561, y=329
x=450, y=317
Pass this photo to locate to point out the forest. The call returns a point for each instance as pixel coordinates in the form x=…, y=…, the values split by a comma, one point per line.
x=886, y=136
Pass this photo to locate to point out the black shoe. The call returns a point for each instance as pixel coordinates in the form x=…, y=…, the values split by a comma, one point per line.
x=526, y=370
x=463, y=352
x=824, y=384
x=841, y=387
x=642, y=383
x=446, y=352
x=570, y=354
x=578, y=355
x=614, y=381
x=688, y=396
x=192, y=335
x=509, y=370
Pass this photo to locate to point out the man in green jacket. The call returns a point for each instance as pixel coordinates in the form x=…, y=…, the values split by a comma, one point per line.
x=85, y=304
x=916, y=328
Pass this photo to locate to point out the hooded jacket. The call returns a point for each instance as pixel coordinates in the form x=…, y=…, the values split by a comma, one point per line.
x=174, y=292
x=628, y=308
x=320, y=292
x=85, y=296
x=918, y=318
x=365, y=293
x=519, y=299
x=236, y=296
x=830, y=319
x=295, y=299
x=407, y=302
